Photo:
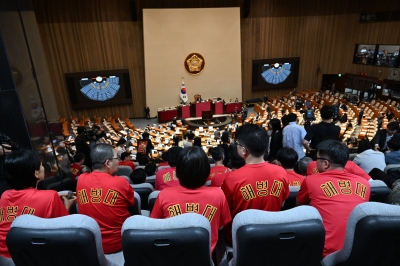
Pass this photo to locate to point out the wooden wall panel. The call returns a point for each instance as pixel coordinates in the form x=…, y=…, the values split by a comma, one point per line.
x=99, y=34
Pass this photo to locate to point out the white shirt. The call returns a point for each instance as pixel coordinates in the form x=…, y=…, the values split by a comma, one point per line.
x=293, y=136
x=370, y=159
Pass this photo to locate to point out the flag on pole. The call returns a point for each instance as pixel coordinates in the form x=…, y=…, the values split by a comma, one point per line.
x=183, y=92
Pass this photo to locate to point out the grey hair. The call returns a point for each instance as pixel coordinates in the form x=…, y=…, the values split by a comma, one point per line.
x=303, y=163
x=100, y=153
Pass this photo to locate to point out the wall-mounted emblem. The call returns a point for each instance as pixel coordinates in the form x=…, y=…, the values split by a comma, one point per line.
x=194, y=63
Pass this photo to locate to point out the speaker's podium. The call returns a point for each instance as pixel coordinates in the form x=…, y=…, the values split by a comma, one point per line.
x=196, y=109
x=207, y=115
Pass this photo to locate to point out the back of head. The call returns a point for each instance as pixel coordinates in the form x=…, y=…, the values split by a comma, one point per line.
x=394, y=125
x=20, y=167
x=145, y=135
x=217, y=153
x=138, y=176
x=335, y=151
x=150, y=169
x=303, y=163
x=191, y=136
x=235, y=159
x=78, y=157
x=363, y=145
x=173, y=154
x=327, y=112
x=197, y=141
x=253, y=138
x=225, y=137
x=192, y=168
x=164, y=156
x=80, y=130
x=100, y=154
x=285, y=121
x=291, y=117
x=275, y=124
x=124, y=155
x=287, y=157
x=121, y=141
x=394, y=144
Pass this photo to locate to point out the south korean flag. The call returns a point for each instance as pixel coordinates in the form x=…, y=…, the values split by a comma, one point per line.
x=183, y=92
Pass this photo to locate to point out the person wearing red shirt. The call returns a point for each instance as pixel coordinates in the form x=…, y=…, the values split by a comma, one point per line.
x=76, y=167
x=333, y=192
x=287, y=158
x=126, y=161
x=350, y=167
x=166, y=177
x=258, y=184
x=217, y=154
x=23, y=170
x=104, y=197
x=191, y=195
x=235, y=161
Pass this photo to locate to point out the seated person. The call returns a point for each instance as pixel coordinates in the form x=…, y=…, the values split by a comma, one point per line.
x=126, y=160
x=302, y=165
x=189, y=141
x=218, y=156
x=197, y=141
x=235, y=162
x=367, y=158
x=333, y=192
x=393, y=157
x=76, y=167
x=121, y=146
x=23, y=170
x=151, y=169
x=138, y=176
x=350, y=167
x=167, y=177
x=164, y=157
x=383, y=136
x=104, y=197
x=287, y=158
x=191, y=195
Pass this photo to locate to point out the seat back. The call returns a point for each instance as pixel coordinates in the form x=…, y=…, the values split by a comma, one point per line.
x=136, y=209
x=180, y=240
x=372, y=234
x=65, y=184
x=379, y=191
x=290, y=202
x=291, y=237
x=151, y=180
x=68, y=240
x=123, y=170
x=144, y=190
x=152, y=199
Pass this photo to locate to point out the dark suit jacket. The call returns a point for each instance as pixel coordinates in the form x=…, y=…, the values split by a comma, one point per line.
x=380, y=138
x=275, y=144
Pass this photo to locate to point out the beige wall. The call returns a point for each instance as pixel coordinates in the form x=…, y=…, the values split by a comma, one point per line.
x=172, y=34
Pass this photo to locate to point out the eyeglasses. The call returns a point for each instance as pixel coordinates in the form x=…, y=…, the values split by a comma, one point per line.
x=237, y=143
x=320, y=158
x=109, y=159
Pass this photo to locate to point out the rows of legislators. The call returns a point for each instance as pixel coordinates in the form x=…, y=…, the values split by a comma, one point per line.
x=296, y=143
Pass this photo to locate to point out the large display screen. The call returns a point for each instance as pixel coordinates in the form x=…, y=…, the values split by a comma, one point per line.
x=275, y=73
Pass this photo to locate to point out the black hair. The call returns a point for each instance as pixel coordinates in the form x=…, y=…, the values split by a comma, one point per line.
x=145, y=135
x=197, y=141
x=287, y=157
x=150, y=169
x=225, y=136
x=292, y=117
x=80, y=130
x=327, y=112
x=138, y=176
x=164, y=156
x=79, y=157
x=303, y=163
x=143, y=160
x=192, y=168
x=394, y=144
x=285, y=120
x=173, y=154
x=124, y=155
x=253, y=138
x=101, y=153
x=275, y=124
x=394, y=125
x=121, y=141
x=217, y=153
x=190, y=136
x=363, y=145
x=235, y=160
x=20, y=167
x=335, y=151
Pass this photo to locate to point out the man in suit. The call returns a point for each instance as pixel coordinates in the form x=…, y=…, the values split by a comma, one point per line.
x=382, y=136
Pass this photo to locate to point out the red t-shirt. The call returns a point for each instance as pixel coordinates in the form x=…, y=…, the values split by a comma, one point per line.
x=295, y=179
x=13, y=203
x=334, y=194
x=207, y=201
x=262, y=186
x=217, y=170
x=350, y=167
x=218, y=180
x=106, y=199
x=166, y=177
x=163, y=164
x=127, y=163
x=76, y=170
